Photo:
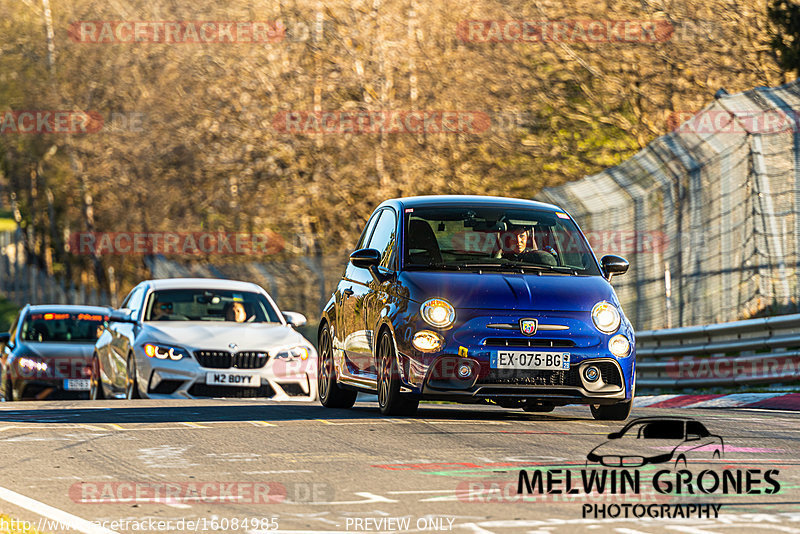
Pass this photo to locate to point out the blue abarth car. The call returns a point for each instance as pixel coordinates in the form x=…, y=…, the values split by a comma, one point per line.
x=477, y=300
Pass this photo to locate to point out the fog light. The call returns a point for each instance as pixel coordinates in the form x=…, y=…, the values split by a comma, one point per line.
x=591, y=373
x=464, y=370
x=427, y=341
x=619, y=345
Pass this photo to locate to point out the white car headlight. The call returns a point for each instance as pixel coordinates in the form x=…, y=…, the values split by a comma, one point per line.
x=163, y=352
x=295, y=353
x=619, y=346
x=438, y=313
x=606, y=317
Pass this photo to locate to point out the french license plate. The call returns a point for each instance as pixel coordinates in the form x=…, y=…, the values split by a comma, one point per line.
x=233, y=379
x=76, y=384
x=542, y=361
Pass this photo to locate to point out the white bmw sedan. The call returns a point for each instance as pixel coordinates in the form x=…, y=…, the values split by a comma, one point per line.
x=200, y=337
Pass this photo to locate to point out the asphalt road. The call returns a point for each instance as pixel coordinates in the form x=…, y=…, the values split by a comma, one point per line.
x=254, y=466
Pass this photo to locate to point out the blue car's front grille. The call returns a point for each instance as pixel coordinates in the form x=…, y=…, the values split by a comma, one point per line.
x=571, y=378
x=528, y=342
x=532, y=378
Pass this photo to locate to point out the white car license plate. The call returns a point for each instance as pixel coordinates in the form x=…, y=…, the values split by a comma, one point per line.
x=540, y=361
x=233, y=379
x=76, y=384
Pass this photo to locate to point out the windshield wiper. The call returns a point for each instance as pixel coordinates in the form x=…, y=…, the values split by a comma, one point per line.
x=435, y=266
x=504, y=266
x=521, y=267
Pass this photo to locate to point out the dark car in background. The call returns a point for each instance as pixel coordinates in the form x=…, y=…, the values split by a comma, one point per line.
x=47, y=353
x=477, y=299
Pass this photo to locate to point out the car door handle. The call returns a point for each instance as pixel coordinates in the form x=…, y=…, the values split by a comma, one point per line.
x=347, y=292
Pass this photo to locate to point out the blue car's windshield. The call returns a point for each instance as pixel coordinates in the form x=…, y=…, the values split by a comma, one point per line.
x=454, y=238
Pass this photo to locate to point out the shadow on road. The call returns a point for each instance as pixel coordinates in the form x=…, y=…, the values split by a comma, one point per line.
x=256, y=412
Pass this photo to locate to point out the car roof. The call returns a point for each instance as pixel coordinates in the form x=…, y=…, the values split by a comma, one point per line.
x=470, y=200
x=201, y=283
x=68, y=308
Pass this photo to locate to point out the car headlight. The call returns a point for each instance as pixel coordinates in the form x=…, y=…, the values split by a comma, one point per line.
x=438, y=313
x=31, y=364
x=164, y=352
x=427, y=341
x=619, y=345
x=294, y=353
x=606, y=317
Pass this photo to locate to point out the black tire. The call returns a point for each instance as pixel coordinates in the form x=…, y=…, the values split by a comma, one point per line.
x=612, y=412
x=132, y=384
x=330, y=394
x=390, y=400
x=95, y=384
x=8, y=392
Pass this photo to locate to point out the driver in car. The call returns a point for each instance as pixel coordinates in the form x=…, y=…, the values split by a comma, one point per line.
x=235, y=311
x=514, y=243
x=161, y=311
x=518, y=243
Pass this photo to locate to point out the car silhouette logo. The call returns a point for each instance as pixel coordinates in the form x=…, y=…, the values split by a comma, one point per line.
x=528, y=326
x=658, y=440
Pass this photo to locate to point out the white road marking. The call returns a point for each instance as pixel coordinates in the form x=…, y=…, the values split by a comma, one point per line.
x=261, y=423
x=47, y=511
x=165, y=457
x=368, y=498
x=282, y=471
x=407, y=492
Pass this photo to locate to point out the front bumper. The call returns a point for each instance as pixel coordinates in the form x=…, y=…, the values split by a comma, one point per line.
x=278, y=379
x=482, y=333
x=48, y=389
x=552, y=387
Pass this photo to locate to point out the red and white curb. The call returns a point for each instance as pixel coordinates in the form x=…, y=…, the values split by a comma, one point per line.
x=769, y=401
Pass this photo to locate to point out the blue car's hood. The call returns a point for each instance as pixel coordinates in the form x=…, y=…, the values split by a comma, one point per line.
x=510, y=291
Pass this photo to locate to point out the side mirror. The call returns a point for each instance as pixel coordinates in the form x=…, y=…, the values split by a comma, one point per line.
x=613, y=265
x=693, y=437
x=614, y=435
x=365, y=258
x=123, y=315
x=5, y=337
x=295, y=319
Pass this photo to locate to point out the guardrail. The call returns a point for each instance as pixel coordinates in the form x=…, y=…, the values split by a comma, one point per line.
x=756, y=351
